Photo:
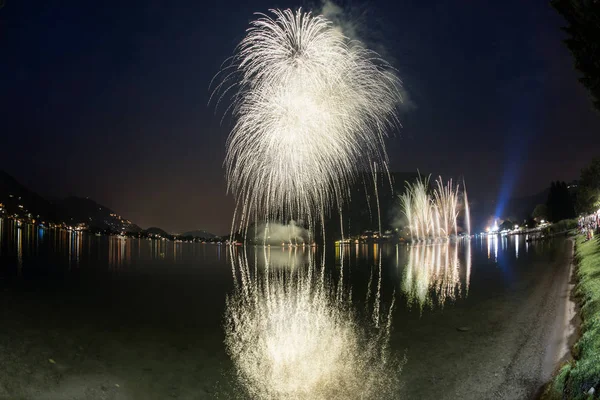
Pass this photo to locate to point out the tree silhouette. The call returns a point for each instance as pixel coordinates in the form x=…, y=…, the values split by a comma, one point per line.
x=583, y=18
x=559, y=205
x=540, y=212
x=588, y=190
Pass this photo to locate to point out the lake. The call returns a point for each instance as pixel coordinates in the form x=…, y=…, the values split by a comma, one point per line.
x=86, y=317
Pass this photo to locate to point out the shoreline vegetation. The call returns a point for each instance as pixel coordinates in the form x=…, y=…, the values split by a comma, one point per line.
x=580, y=377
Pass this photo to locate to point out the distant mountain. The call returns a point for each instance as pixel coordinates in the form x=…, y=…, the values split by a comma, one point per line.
x=199, y=234
x=157, y=231
x=75, y=210
x=18, y=199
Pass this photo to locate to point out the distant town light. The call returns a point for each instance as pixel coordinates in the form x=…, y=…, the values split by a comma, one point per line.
x=495, y=227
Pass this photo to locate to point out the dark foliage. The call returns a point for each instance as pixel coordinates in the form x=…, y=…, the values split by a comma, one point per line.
x=588, y=189
x=583, y=18
x=559, y=205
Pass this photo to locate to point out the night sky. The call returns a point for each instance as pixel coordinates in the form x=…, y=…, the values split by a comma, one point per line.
x=109, y=99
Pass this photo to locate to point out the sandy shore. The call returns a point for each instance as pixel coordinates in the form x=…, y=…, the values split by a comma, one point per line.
x=514, y=343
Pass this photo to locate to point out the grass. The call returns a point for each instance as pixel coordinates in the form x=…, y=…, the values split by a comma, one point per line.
x=575, y=379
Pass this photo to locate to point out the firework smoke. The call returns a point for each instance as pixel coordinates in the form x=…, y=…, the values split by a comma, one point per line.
x=280, y=234
x=312, y=109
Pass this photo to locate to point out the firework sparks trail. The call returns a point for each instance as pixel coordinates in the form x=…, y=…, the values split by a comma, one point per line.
x=312, y=109
x=291, y=336
x=467, y=210
x=434, y=216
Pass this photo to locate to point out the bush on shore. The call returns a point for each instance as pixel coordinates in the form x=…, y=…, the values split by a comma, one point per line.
x=561, y=226
x=576, y=379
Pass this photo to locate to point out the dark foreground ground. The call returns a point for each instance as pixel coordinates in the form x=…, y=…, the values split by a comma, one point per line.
x=141, y=338
x=120, y=342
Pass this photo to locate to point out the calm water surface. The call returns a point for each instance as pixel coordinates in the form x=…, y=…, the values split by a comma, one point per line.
x=139, y=318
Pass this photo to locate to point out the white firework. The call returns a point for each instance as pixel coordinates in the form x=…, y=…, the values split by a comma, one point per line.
x=445, y=202
x=433, y=214
x=467, y=219
x=312, y=109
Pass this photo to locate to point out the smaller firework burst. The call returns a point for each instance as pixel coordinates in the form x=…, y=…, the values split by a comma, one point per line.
x=433, y=214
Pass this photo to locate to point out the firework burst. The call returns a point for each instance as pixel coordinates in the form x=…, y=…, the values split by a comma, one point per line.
x=434, y=214
x=312, y=109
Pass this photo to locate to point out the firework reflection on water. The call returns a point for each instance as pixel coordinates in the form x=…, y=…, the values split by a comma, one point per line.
x=293, y=333
x=437, y=273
